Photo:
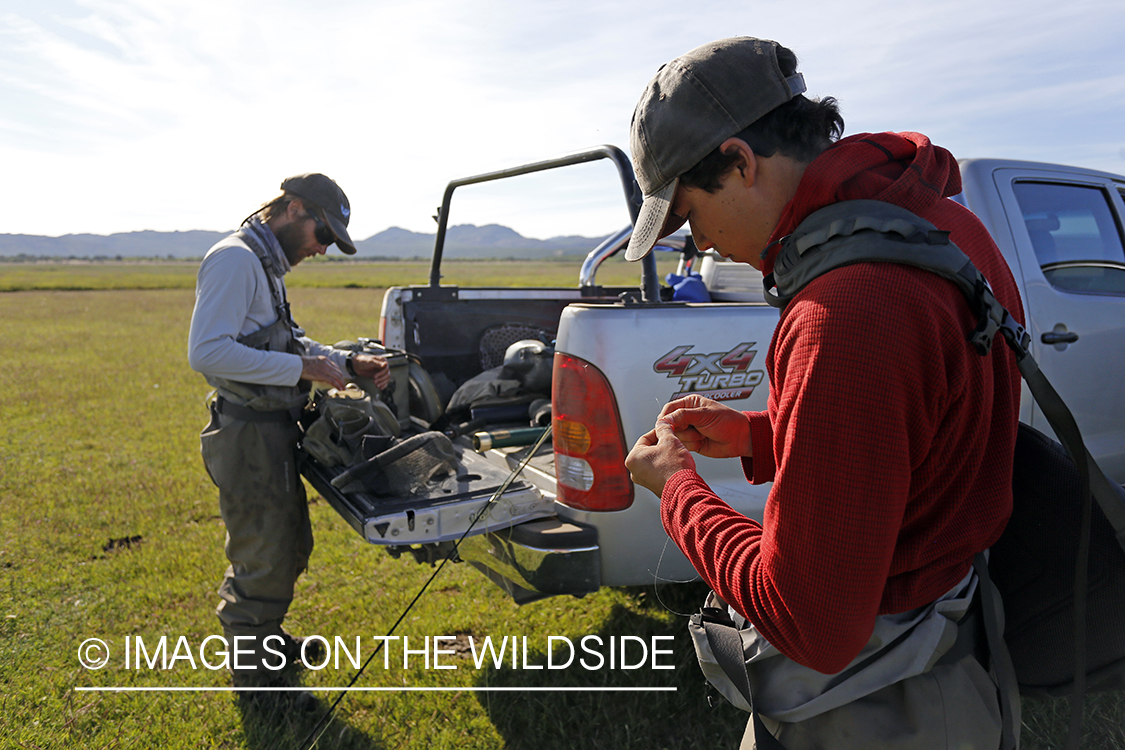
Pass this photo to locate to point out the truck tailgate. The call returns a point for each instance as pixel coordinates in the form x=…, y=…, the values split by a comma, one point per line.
x=460, y=504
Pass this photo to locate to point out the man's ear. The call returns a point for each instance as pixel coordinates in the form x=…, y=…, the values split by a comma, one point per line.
x=295, y=210
x=746, y=161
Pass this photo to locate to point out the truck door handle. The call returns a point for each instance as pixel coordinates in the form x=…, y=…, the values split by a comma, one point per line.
x=1056, y=337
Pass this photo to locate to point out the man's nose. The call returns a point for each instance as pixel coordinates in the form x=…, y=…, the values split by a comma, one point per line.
x=701, y=240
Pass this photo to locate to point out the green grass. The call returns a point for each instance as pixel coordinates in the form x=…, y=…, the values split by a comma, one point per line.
x=99, y=426
x=100, y=422
x=317, y=273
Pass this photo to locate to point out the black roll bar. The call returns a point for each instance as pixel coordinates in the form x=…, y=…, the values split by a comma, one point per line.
x=650, y=284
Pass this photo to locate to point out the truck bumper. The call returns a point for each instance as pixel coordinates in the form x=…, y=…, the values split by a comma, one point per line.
x=537, y=559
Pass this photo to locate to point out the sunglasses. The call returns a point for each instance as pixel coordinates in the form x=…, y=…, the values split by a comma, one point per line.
x=322, y=233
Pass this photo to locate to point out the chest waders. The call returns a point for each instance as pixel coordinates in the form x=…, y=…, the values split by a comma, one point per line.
x=249, y=449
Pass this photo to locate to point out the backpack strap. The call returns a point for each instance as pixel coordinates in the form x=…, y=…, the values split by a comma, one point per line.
x=867, y=231
x=1008, y=689
x=861, y=231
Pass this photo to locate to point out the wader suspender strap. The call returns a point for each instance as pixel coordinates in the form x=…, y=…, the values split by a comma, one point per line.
x=280, y=300
x=256, y=243
x=726, y=645
x=867, y=231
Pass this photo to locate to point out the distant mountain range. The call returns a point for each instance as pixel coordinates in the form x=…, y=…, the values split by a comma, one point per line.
x=462, y=241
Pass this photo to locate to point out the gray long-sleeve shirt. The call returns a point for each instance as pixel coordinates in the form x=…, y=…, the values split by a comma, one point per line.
x=232, y=299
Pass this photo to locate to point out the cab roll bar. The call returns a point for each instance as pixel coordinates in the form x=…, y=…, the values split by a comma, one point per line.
x=650, y=284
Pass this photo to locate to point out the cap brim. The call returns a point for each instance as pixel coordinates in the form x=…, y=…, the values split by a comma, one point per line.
x=650, y=221
x=343, y=240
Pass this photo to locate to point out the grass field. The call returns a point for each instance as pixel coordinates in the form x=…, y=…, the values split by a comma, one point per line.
x=110, y=529
x=316, y=274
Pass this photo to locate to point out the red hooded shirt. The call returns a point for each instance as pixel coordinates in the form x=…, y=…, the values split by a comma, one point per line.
x=888, y=439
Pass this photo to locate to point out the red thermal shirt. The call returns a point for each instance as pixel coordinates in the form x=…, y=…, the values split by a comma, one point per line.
x=888, y=439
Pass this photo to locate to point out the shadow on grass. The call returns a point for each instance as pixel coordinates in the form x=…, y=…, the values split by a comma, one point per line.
x=283, y=721
x=622, y=712
x=683, y=719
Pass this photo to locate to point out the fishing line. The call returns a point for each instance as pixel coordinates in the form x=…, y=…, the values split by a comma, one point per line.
x=321, y=726
x=657, y=580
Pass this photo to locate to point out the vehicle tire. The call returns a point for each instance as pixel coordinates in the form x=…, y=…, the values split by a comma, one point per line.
x=425, y=404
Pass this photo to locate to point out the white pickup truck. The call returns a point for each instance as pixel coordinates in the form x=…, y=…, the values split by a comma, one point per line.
x=573, y=521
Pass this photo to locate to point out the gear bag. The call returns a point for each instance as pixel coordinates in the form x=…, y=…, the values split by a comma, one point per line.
x=359, y=436
x=346, y=419
x=1059, y=568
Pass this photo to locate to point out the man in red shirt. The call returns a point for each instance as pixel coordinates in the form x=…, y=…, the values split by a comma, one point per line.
x=888, y=440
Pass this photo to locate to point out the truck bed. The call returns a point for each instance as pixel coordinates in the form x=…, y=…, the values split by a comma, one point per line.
x=460, y=332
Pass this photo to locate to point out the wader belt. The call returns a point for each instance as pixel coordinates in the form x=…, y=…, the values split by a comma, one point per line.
x=252, y=415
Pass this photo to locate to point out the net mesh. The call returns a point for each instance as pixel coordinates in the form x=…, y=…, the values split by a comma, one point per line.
x=495, y=341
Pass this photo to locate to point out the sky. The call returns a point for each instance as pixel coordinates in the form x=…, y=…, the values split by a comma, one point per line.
x=173, y=115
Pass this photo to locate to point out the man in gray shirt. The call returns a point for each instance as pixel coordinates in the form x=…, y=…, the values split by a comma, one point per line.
x=244, y=340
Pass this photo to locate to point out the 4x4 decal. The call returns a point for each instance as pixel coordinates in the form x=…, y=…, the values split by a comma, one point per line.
x=722, y=376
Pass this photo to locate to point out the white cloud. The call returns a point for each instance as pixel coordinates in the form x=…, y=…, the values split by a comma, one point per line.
x=127, y=114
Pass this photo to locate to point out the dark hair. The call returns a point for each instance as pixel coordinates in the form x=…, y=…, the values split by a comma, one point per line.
x=273, y=208
x=799, y=129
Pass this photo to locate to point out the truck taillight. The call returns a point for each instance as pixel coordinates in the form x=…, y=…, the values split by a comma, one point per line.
x=588, y=439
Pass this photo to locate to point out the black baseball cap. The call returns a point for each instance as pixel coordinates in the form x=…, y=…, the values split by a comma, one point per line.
x=326, y=195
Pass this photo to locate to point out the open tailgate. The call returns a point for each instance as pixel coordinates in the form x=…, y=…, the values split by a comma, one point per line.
x=460, y=504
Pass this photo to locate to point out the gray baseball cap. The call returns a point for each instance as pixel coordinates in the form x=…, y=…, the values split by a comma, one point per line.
x=326, y=195
x=693, y=104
